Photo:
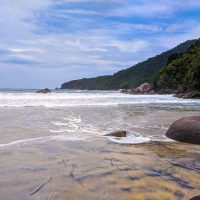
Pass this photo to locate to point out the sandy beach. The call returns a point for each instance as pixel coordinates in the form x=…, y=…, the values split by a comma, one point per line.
x=59, y=153
x=99, y=100
x=100, y=170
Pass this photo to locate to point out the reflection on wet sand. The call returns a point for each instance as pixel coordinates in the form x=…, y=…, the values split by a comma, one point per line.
x=100, y=169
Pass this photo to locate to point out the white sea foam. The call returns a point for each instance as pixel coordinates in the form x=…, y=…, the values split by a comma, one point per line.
x=23, y=142
x=139, y=139
x=130, y=139
x=73, y=127
x=87, y=98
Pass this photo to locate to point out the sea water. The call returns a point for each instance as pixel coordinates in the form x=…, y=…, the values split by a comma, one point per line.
x=28, y=117
x=52, y=146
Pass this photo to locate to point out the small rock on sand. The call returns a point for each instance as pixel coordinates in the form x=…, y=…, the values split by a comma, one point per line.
x=120, y=133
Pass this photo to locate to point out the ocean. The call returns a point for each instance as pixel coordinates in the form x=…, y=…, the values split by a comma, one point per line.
x=52, y=146
x=27, y=116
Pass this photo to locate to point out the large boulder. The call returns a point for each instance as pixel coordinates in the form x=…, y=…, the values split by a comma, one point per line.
x=44, y=91
x=195, y=198
x=120, y=133
x=144, y=88
x=186, y=130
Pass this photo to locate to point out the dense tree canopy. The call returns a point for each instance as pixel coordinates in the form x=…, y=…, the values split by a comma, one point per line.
x=183, y=73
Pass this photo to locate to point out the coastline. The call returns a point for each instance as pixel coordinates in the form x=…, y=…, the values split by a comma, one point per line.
x=54, y=148
x=182, y=95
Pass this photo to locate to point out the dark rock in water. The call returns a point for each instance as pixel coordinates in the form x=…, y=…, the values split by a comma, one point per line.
x=144, y=88
x=192, y=95
x=46, y=90
x=117, y=134
x=195, y=198
x=186, y=130
x=179, y=95
x=123, y=91
x=188, y=95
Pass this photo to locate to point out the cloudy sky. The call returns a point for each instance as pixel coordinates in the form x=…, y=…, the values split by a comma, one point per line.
x=44, y=43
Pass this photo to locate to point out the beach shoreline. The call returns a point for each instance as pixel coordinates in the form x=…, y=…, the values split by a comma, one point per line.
x=56, y=150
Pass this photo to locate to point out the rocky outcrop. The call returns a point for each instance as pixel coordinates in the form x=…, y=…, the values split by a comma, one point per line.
x=186, y=130
x=120, y=133
x=189, y=95
x=44, y=91
x=144, y=88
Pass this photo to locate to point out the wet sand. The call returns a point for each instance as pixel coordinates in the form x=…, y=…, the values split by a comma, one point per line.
x=59, y=153
x=100, y=169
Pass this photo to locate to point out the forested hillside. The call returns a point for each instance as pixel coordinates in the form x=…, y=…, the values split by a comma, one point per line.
x=132, y=77
x=183, y=73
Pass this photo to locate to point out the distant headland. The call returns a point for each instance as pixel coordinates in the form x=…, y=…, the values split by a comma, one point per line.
x=174, y=71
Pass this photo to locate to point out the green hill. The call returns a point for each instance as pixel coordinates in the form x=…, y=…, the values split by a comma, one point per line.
x=183, y=73
x=132, y=77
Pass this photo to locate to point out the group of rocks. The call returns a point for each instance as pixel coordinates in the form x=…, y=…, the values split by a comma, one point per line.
x=146, y=88
x=188, y=95
x=185, y=130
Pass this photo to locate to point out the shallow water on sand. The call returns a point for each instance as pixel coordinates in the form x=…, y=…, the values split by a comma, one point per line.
x=52, y=147
x=100, y=170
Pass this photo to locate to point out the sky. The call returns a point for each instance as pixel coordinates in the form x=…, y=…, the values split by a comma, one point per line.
x=44, y=43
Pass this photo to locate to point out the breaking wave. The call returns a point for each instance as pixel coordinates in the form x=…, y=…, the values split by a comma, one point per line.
x=87, y=98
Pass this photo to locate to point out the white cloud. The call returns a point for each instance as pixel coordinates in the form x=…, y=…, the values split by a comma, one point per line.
x=80, y=12
x=50, y=37
x=130, y=46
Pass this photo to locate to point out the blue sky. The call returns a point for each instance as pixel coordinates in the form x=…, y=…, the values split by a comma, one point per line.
x=44, y=43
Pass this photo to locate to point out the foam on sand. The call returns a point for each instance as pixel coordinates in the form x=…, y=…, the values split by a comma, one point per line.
x=130, y=139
